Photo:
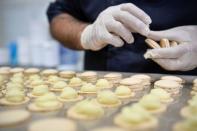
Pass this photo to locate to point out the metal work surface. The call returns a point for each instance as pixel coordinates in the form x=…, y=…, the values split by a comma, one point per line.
x=166, y=120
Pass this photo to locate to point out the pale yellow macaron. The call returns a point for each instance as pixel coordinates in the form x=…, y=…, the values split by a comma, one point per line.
x=189, y=124
x=163, y=95
x=48, y=72
x=88, y=89
x=114, y=78
x=58, y=86
x=14, y=97
x=107, y=98
x=5, y=74
x=47, y=102
x=194, y=88
x=88, y=76
x=6, y=68
x=36, y=82
x=191, y=109
x=109, y=128
x=12, y=118
x=32, y=78
x=67, y=74
x=69, y=95
x=53, y=124
x=4, y=71
x=16, y=70
x=11, y=85
x=170, y=86
x=18, y=80
x=75, y=82
x=195, y=82
x=152, y=104
x=133, y=83
x=103, y=84
x=146, y=79
x=86, y=110
x=173, y=78
x=124, y=92
x=52, y=79
x=135, y=118
x=31, y=71
x=18, y=75
x=38, y=91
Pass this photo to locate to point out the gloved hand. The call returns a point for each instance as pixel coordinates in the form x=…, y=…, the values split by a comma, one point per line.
x=114, y=25
x=180, y=58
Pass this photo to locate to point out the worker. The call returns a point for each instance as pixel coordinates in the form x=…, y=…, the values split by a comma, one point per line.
x=112, y=33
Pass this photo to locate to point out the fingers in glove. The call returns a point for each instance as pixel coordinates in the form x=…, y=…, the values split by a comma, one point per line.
x=137, y=12
x=174, y=64
x=179, y=35
x=132, y=22
x=113, y=40
x=120, y=30
x=167, y=53
x=169, y=64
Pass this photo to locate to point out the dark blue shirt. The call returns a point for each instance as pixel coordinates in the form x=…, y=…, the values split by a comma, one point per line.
x=165, y=14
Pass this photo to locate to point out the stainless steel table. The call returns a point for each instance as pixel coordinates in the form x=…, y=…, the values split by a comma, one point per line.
x=166, y=120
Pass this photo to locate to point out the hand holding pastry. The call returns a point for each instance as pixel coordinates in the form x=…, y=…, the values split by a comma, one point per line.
x=181, y=57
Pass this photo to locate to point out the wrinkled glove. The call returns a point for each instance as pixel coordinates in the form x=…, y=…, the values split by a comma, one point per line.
x=179, y=58
x=114, y=25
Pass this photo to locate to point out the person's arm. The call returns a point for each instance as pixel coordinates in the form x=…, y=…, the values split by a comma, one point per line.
x=112, y=26
x=67, y=29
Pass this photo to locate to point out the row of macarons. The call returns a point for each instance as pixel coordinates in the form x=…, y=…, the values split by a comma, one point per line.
x=91, y=109
x=39, y=87
x=144, y=114
x=89, y=76
x=80, y=110
x=16, y=96
x=139, y=79
x=189, y=113
x=88, y=88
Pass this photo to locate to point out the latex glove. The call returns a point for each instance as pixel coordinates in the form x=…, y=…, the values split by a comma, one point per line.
x=114, y=25
x=182, y=57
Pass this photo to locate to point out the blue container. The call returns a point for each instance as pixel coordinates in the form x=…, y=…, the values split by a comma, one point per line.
x=12, y=47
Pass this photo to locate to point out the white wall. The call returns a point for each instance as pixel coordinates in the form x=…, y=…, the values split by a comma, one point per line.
x=27, y=19
x=16, y=17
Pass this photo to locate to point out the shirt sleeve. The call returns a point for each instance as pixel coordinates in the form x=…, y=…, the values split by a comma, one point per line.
x=64, y=6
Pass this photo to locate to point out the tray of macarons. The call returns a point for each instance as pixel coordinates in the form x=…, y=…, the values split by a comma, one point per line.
x=36, y=100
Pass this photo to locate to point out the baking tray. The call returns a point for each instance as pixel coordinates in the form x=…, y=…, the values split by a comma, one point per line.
x=166, y=120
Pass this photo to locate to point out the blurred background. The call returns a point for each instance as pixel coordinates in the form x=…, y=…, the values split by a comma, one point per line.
x=25, y=39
